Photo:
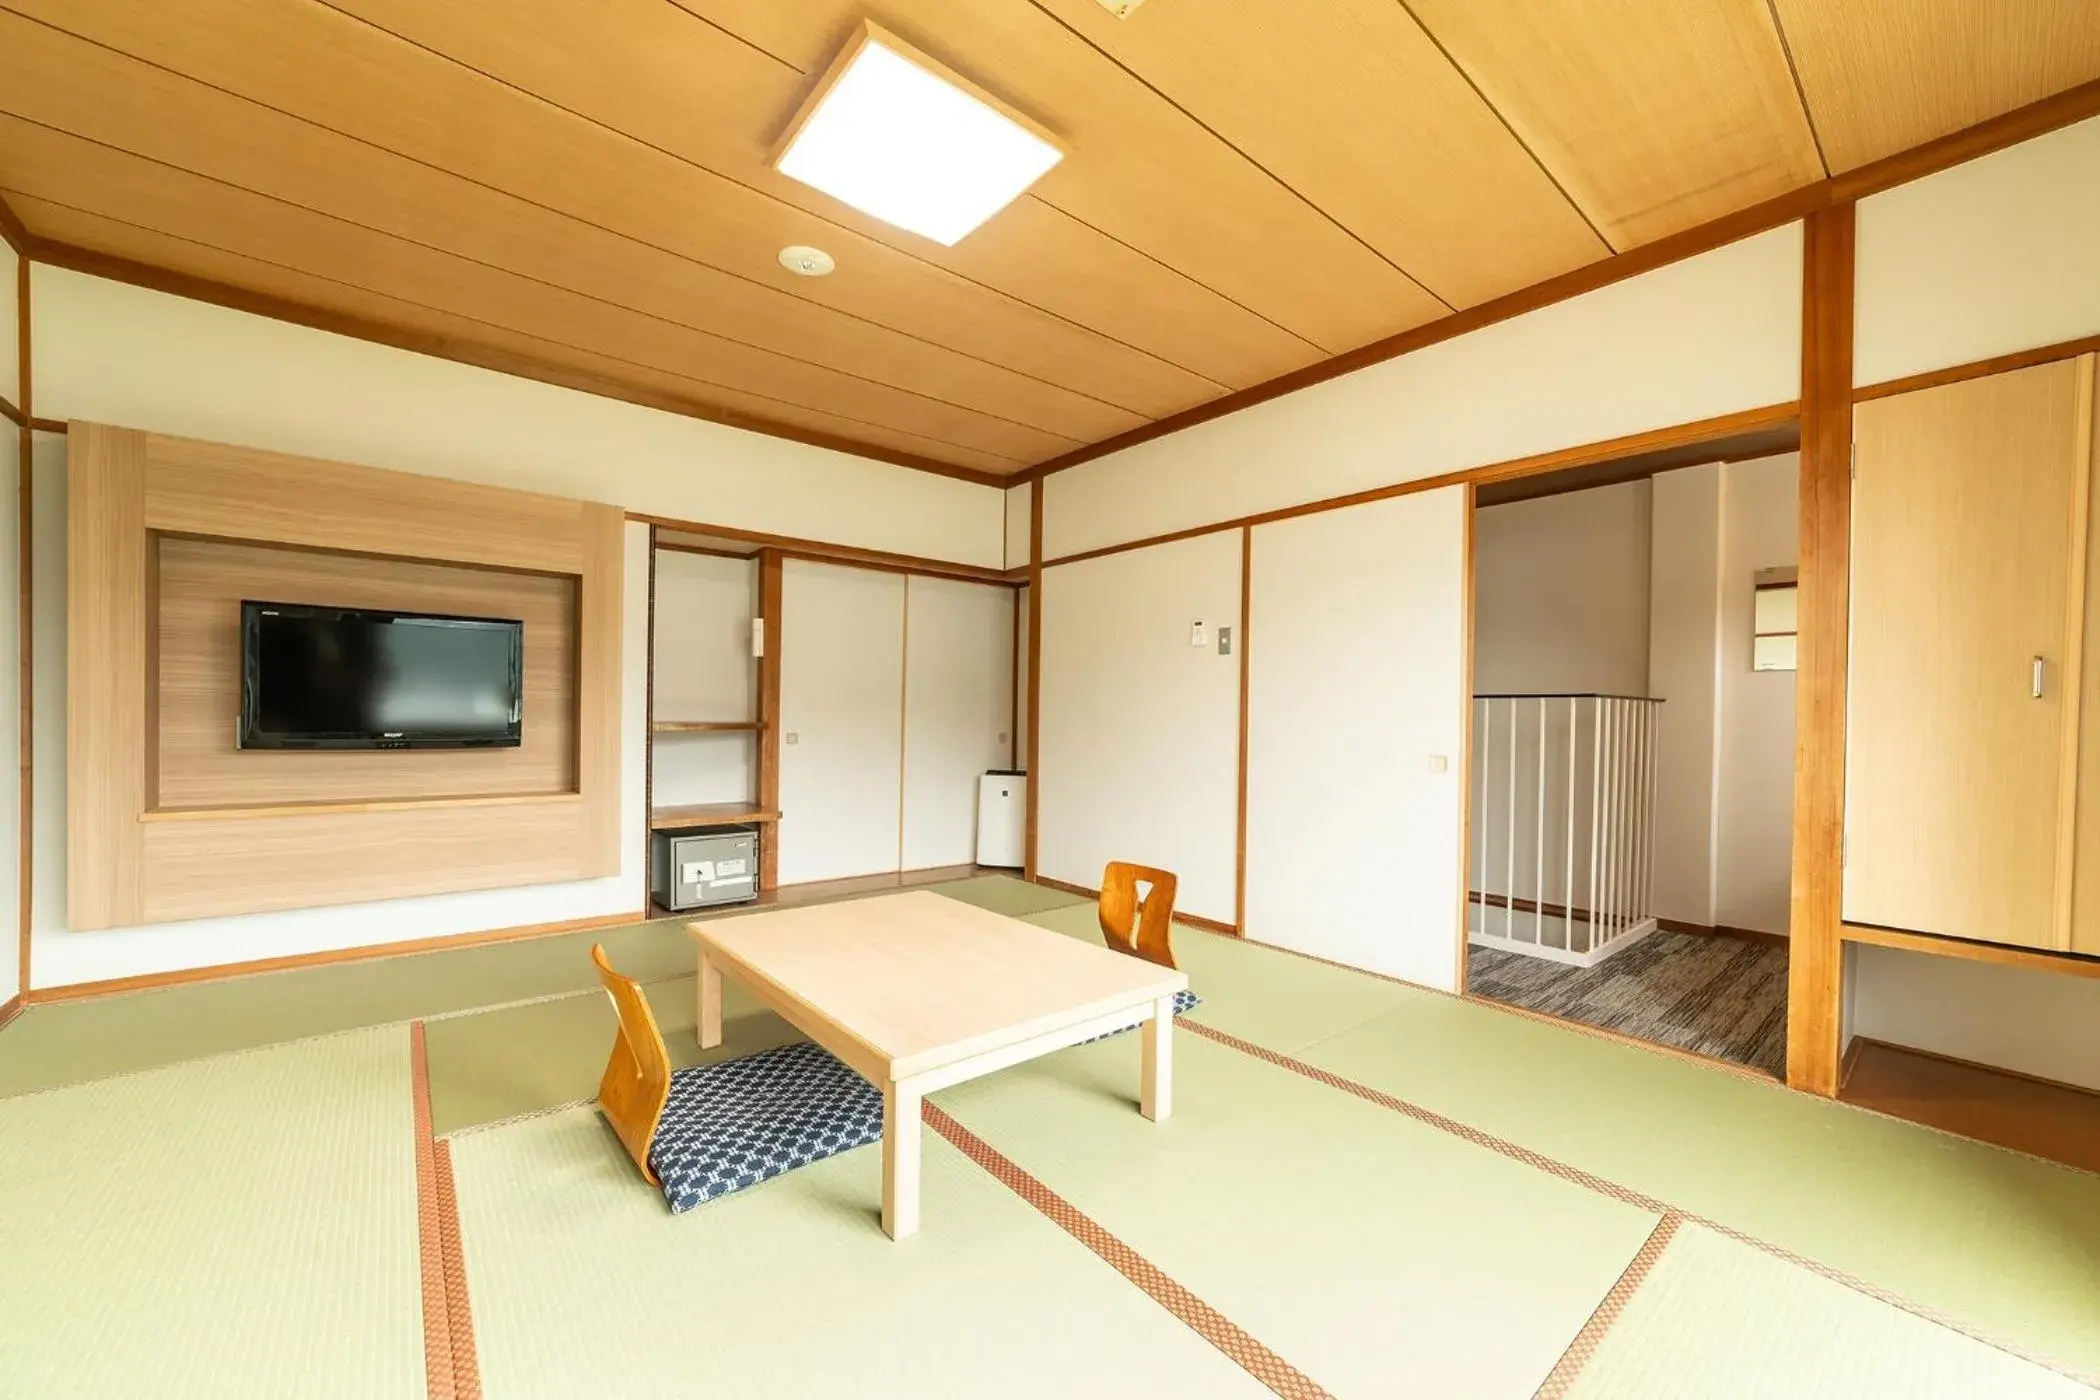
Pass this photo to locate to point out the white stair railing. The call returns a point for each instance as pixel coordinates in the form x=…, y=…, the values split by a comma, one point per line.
x=1563, y=810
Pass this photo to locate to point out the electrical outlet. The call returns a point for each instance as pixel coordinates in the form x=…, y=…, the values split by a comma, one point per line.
x=1002, y=737
x=1224, y=641
x=1439, y=763
x=792, y=737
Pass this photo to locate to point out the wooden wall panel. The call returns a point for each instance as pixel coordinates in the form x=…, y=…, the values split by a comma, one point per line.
x=127, y=865
x=201, y=585
x=106, y=719
x=298, y=861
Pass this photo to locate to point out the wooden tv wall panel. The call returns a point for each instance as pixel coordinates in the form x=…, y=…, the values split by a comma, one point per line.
x=167, y=820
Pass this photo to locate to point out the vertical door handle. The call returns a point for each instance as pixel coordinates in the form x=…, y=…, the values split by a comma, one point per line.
x=2036, y=690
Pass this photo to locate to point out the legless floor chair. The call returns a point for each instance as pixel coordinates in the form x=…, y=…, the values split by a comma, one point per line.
x=706, y=1131
x=1143, y=928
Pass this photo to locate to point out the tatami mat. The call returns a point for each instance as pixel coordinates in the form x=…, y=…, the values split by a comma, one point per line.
x=1359, y=1246
x=237, y=1227
x=1003, y=894
x=70, y=1042
x=2007, y=1245
x=583, y=1284
x=525, y=1059
x=1724, y=1321
x=1260, y=994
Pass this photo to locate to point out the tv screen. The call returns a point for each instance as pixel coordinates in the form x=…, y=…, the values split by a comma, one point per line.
x=343, y=678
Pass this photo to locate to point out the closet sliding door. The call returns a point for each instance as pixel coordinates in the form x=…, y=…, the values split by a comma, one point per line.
x=1970, y=524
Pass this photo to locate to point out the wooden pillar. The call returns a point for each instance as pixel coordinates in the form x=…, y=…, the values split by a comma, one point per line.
x=768, y=793
x=1815, y=983
x=1033, y=765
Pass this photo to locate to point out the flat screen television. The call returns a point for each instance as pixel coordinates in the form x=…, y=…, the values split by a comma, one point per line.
x=346, y=678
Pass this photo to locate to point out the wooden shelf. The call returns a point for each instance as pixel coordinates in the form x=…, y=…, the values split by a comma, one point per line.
x=704, y=726
x=310, y=809
x=2039, y=959
x=709, y=814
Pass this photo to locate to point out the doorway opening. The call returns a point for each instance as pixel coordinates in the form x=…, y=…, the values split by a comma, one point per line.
x=1631, y=771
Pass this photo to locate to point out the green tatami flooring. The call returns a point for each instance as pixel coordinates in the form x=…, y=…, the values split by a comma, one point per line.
x=245, y=1221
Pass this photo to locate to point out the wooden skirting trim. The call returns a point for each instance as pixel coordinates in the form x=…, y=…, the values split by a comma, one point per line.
x=117, y=986
x=1192, y=920
x=10, y=1008
x=2035, y=119
x=2035, y=959
x=1755, y=935
x=1680, y=435
x=2027, y=1113
x=820, y=552
x=1979, y=369
x=1520, y=905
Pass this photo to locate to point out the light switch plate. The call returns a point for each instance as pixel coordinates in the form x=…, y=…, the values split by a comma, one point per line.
x=792, y=737
x=1197, y=635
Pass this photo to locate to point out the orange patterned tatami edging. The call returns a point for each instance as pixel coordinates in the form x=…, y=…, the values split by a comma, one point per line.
x=1561, y=1379
x=1431, y=1118
x=1206, y=1321
x=449, y=1363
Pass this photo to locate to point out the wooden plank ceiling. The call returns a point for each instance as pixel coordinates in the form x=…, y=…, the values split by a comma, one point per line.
x=581, y=190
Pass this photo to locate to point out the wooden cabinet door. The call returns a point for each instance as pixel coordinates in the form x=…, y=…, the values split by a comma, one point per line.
x=1969, y=525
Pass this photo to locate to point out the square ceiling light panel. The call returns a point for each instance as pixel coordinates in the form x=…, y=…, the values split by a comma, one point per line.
x=898, y=136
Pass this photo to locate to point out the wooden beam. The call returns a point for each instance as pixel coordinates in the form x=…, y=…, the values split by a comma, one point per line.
x=769, y=594
x=1035, y=669
x=1815, y=986
x=823, y=552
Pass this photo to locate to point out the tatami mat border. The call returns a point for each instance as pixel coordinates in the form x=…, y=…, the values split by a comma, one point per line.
x=1575, y=1175
x=1561, y=1379
x=1206, y=1321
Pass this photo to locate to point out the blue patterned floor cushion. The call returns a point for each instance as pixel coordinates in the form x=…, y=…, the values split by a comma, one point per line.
x=730, y=1125
x=1184, y=1003
x=733, y=1124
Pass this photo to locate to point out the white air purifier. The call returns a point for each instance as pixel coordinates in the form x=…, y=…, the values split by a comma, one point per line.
x=1002, y=819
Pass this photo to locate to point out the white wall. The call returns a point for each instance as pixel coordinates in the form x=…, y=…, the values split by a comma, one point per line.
x=1139, y=730
x=1356, y=688
x=1714, y=334
x=841, y=720
x=1022, y=759
x=112, y=353
x=1982, y=259
x=1754, y=812
x=2039, y=1023
x=1684, y=672
x=958, y=711
x=10, y=710
x=1020, y=507
x=60, y=957
x=10, y=337
x=1560, y=602
x=704, y=670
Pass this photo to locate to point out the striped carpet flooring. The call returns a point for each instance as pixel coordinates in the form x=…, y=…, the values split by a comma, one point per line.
x=1709, y=993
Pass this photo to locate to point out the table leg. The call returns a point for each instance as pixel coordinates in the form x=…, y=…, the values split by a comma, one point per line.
x=1157, y=1096
x=709, y=1022
x=900, y=1161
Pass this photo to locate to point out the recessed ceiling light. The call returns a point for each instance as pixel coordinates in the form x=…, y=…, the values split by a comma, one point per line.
x=894, y=134
x=806, y=261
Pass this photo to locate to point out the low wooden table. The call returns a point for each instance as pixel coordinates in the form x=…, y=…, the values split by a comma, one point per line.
x=917, y=991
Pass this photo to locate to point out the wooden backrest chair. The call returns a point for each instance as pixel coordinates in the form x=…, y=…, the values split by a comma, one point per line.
x=1144, y=928
x=637, y=1080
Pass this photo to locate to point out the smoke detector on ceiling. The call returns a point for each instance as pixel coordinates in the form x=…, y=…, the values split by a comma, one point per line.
x=806, y=262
